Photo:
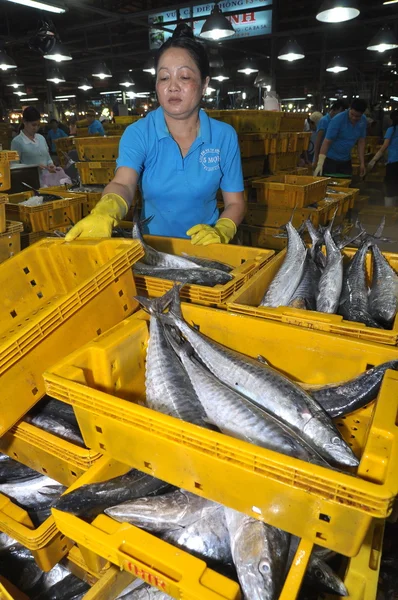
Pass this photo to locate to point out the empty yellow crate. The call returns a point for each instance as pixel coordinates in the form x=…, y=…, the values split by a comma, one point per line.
x=270, y=216
x=96, y=172
x=259, y=144
x=262, y=121
x=337, y=182
x=54, y=296
x=282, y=161
x=126, y=120
x=10, y=240
x=290, y=190
x=47, y=216
x=246, y=262
x=5, y=177
x=264, y=237
x=100, y=148
x=104, y=382
x=63, y=146
x=247, y=299
x=46, y=453
x=352, y=192
x=253, y=167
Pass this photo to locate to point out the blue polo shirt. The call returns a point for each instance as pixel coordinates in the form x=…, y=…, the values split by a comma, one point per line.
x=177, y=191
x=344, y=136
x=55, y=135
x=96, y=127
x=324, y=123
x=393, y=146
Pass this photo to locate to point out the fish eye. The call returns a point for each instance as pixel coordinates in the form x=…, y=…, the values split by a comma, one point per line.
x=264, y=567
x=318, y=573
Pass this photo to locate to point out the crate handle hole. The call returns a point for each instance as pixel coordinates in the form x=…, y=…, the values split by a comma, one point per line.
x=64, y=548
x=15, y=454
x=26, y=270
x=13, y=313
x=125, y=307
x=198, y=485
x=323, y=517
x=147, y=465
x=44, y=470
x=39, y=295
x=102, y=446
x=73, y=474
x=34, y=391
x=98, y=428
x=321, y=536
x=121, y=293
x=33, y=283
x=99, y=331
x=61, y=537
x=117, y=278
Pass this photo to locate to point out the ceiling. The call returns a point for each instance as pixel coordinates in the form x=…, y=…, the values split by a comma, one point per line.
x=117, y=31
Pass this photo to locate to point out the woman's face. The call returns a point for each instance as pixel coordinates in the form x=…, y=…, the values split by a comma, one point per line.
x=31, y=127
x=179, y=85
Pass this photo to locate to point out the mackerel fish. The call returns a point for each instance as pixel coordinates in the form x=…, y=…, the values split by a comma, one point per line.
x=383, y=298
x=304, y=296
x=331, y=280
x=200, y=276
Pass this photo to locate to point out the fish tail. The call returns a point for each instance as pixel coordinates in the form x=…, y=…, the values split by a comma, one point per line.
x=175, y=305
x=156, y=306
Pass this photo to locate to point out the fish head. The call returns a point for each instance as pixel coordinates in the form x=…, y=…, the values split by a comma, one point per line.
x=340, y=452
x=324, y=578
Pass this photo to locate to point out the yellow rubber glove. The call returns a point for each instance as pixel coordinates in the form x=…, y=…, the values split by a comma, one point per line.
x=222, y=233
x=319, y=168
x=99, y=223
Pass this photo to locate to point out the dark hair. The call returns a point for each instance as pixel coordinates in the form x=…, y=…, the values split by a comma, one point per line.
x=359, y=105
x=183, y=38
x=339, y=105
x=54, y=121
x=31, y=114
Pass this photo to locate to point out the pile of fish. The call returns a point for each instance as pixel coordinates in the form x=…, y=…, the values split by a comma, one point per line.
x=57, y=418
x=309, y=279
x=184, y=269
x=193, y=378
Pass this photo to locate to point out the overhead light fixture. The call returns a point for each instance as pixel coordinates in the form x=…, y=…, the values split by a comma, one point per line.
x=102, y=71
x=126, y=81
x=220, y=77
x=55, y=76
x=247, y=67
x=85, y=85
x=19, y=93
x=383, y=40
x=291, y=51
x=216, y=61
x=262, y=80
x=390, y=2
x=15, y=82
x=41, y=6
x=30, y=99
x=65, y=96
x=6, y=62
x=58, y=53
x=149, y=67
x=112, y=92
x=216, y=26
x=209, y=90
x=337, y=11
x=336, y=66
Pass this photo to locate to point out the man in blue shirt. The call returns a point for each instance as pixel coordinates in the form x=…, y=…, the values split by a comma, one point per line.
x=391, y=178
x=94, y=126
x=54, y=134
x=343, y=132
x=337, y=107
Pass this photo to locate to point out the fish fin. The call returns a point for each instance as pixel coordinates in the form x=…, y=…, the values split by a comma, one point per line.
x=181, y=347
x=156, y=306
x=262, y=360
x=52, y=490
x=379, y=230
x=330, y=225
x=348, y=241
x=175, y=305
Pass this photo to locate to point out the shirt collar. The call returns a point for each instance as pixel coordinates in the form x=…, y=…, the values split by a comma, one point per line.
x=162, y=130
x=27, y=140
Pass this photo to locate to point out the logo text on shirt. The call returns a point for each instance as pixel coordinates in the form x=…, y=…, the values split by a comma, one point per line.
x=210, y=159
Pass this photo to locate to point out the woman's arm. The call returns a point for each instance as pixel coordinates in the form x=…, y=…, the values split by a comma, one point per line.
x=234, y=206
x=123, y=184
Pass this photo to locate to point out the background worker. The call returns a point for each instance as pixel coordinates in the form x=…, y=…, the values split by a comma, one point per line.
x=94, y=125
x=54, y=133
x=311, y=125
x=180, y=156
x=391, y=178
x=336, y=108
x=343, y=132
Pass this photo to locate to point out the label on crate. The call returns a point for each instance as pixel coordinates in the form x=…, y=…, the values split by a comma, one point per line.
x=152, y=579
x=94, y=165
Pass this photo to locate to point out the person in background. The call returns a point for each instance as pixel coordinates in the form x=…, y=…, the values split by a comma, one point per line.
x=94, y=126
x=73, y=126
x=391, y=178
x=336, y=108
x=343, y=132
x=54, y=134
x=180, y=156
x=30, y=145
x=311, y=125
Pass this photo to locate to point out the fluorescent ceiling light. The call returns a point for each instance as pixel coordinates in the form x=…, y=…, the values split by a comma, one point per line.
x=234, y=92
x=40, y=5
x=216, y=26
x=65, y=96
x=112, y=92
x=383, y=40
x=58, y=53
x=292, y=100
x=390, y=2
x=30, y=99
x=220, y=77
x=291, y=51
x=18, y=93
x=337, y=11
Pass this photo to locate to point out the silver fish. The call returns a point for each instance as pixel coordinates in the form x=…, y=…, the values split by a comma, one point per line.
x=11, y=470
x=206, y=538
x=383, y=297
x=20, y=568
x=268, y=389
x=234, y=414
x=343, y=398
x=209, y=263
x=168, y=388
x=289, y=275
x=199, y=276
x=354, y=298
x=27, y=492
x=174, y=510
x=317, y=239
x=57, y=426
x=331, y=281
x=304, y=296
x=260, y=553
x=144, y=592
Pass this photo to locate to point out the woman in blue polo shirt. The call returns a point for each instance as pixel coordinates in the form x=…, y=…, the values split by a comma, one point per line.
x=179, y=156
x=391, y=178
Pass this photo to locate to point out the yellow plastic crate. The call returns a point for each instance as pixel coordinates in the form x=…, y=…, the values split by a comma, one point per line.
x=5, y=177
x=96, y=172
x=259, y=144
x=246, y=301
x=105, y=380
x=83, y=132
x=282, y=161
x=99, y=148
x=54, y=296
x=47, y=216
x=140, y=553
x=352, y=192
x=7, y=156
x=3, y=200
x=63, y=146
x=290, y=190
x=126, y=120
x=10, y=240
x=246, y=262
x=46, y=453
x=269, y=216
x=253, y=167
x=9, y=592
x=264, y=237
x=337, y=182
x=262, y=121
x=27, y=239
